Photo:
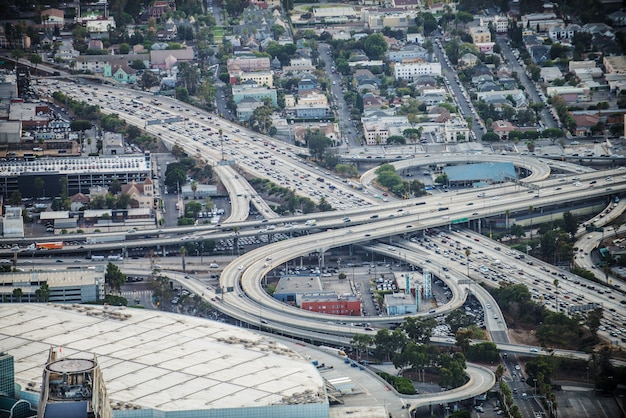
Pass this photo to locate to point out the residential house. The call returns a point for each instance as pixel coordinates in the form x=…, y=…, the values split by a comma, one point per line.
x=120, y=71
x=330, y=130
x=415, y=38
x=433, y=97
x=250, y=89
x=500, y=98
x=540, y=22
x=141, y=194
x=95, y=44
x=157, y=10
x=599, y=30
x=502, y=128
x=488, y=85
x=468, y=60
x=169, y=58
x=96, y=63
x=311, y=111
x=66, y=52
x=584, y=123
x=372, y=101
x=366, y=80
x=539, y=53
x=423, y=81
x=480, y=34
x=246, y=107
x=78, y=201
x=307, y=83
x=563, y=34
x=549, y=74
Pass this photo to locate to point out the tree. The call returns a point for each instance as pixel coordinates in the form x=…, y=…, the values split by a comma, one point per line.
x=342, y=276
x=375, y=46
x=175, y=176
x=593, y=321
x=317, y=143
x=43, y=293
x=499, y=372
x=491, y=137
x=115, y=187
x=35, y=59
x=570, y=223
x=517, y=231
x=192, y=209
x=396, y=139
x=457, y=319
x=463, y=339
x=149, y=80
x=194, y=188
x=261, y=119
x=114, y=277
x=277, y=31
x=15, y=199
x=17, y=54
x=419, y=330
x=361, y=342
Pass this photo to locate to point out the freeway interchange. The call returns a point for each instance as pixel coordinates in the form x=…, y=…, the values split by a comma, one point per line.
x=241, y=294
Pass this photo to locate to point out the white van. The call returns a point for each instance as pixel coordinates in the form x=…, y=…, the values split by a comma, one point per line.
x=213, y=265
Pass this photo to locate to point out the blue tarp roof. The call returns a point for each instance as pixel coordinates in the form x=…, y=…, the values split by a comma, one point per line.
x=479, y=172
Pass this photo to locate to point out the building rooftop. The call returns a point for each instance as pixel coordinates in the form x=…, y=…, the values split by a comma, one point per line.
x=75, y=165
x=485, y=171
x=29, y=281
x=161, y=361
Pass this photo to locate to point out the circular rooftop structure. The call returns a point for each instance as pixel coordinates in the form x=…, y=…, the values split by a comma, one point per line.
x=71, y=365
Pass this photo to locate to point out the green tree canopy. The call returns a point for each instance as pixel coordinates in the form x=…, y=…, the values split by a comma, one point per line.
x=375, y=46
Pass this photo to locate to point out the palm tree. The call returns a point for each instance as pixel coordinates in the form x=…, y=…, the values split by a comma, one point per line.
x=194, y=188
x=467, y=254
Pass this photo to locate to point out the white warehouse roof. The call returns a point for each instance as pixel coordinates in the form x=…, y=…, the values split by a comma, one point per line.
x=165, y=362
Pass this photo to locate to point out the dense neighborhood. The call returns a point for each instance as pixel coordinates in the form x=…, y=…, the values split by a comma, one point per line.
x=263, y=59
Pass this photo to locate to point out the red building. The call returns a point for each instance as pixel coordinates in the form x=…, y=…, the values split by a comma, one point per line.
x=331, y=304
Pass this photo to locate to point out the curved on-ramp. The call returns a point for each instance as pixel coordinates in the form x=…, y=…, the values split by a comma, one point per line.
x=481, y=380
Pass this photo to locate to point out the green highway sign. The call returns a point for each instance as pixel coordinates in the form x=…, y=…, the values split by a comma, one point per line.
x=460, y=221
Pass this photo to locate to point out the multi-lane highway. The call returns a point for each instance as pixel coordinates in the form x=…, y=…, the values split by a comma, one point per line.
x=225, y=146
